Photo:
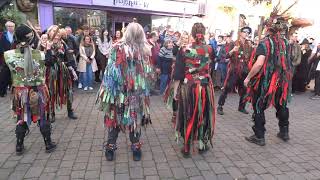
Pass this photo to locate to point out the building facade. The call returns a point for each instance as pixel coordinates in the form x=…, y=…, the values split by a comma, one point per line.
x=115, y=14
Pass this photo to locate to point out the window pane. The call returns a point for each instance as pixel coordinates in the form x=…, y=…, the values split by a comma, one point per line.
x=76, y=17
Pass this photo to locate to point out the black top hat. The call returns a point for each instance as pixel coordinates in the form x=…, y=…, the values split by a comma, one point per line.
x=305, y=41
x=246, y=29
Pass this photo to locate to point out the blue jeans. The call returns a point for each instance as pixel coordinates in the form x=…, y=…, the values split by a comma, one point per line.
x=87, y=77
x=222, y=67
x=163, y=82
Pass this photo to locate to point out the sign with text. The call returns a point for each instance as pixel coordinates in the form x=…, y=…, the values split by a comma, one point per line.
x=166, y=6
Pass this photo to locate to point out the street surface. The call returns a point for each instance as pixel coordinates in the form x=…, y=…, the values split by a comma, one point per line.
x=80, y=154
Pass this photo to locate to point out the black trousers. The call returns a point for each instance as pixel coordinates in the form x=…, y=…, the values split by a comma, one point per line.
x=234, y=80
x=114, y=132
x=317, y=83
x=5, y=79
x=282, y=113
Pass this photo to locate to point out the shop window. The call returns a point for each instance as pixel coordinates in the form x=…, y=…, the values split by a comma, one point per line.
x=77, y=17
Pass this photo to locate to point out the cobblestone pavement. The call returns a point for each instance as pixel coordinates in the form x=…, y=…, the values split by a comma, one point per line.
x=79, y=154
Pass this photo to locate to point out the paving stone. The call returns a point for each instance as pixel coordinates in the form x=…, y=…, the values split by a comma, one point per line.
x=136, y=172
x=150, y=171
x=78, y=174
x=267, y=177
x=179, y=173
x=47, y=176
x=51, y=169
x=196, y=178
x=17, y=174
x=224, y=177
x=107, y=175
x=218, y=168
x=122, y=177
x=66, y=164
x=165, y=173
x=152, y=178
x=93, y=166
x=64, y=172
x=209, y=175
x=92, y=174
x=235, y=172
x=34, y=172
x=193, y=172
x=10, y=164
x=202, y=165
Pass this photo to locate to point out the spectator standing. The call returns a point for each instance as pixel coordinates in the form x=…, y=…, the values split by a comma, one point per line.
x=155, y=49
x=87, y=63
x=300, y=78
x=104, y=45
x=85, y=32
x=295, y=54
x=314, y=60
x=117, y=37
x=221, y=61
x=164, y=64
x=212, y=41
x=6, y=43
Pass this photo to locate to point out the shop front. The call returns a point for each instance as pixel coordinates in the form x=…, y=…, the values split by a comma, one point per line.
x=116, y=14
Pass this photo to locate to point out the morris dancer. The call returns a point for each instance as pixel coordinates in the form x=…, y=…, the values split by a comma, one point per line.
x=237, y=70
x=30, y=93
x=125, y=90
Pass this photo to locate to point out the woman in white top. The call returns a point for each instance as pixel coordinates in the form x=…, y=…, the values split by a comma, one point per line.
x=104, y=44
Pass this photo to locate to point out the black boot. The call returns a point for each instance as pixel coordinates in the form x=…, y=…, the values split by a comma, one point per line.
x=185, y=152
x=71, y=115
x=255, y=140
x=136, y=151
x=145, y=120
x=220, y=110
x=50, y=146
x=53, y=117
x=284, y=133
x=46, y=134
x=20, y=134
x=109, y=151
x=204, y=149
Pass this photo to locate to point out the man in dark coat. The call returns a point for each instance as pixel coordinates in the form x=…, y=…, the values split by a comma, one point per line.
x=6, y=43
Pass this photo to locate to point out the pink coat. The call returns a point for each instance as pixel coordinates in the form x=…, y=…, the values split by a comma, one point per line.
x=83, y=63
